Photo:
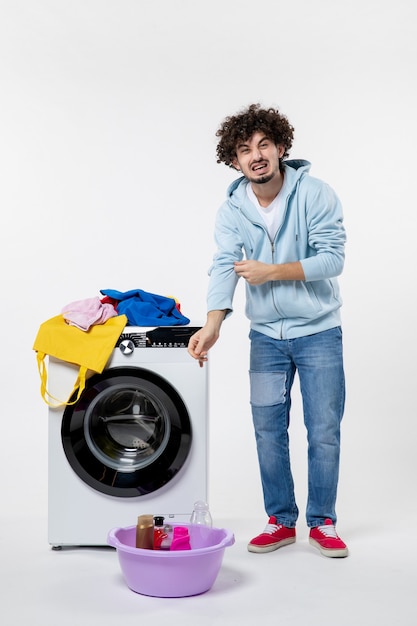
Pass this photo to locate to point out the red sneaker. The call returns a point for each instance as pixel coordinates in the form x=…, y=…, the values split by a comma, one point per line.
x=326, y=539
x=273, y=537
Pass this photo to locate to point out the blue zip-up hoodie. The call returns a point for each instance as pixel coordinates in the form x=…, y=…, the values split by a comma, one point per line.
x=310, y=231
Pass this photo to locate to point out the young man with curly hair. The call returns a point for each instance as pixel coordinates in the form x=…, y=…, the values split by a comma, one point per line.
x=281, y=231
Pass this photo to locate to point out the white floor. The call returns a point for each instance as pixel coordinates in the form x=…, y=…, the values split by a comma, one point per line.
x=375, y=585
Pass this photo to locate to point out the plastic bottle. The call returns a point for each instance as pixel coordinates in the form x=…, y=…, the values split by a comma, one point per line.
x=201, y=514
x=159, y=533
x=162, y=536
x=144, y=532
x=180, y=539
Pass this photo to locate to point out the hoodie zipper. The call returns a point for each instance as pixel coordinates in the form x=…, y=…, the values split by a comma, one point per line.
x=272, y=241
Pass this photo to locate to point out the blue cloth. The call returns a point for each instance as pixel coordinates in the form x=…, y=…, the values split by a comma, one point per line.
x=146, y=309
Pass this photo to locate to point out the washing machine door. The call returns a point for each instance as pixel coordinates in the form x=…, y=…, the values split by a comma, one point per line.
x=129, y=434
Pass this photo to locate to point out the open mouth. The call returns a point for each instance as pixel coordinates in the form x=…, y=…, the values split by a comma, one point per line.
x=259, y=167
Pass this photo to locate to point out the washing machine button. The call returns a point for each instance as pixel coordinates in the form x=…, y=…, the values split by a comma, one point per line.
x=127, y=346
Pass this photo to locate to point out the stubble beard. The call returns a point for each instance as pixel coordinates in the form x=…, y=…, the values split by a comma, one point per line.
x=262, y=180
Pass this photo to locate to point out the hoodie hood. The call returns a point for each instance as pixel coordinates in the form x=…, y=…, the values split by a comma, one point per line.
x=294, y=170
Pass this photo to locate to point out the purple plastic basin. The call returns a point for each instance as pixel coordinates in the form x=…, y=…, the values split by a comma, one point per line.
x=172, y=574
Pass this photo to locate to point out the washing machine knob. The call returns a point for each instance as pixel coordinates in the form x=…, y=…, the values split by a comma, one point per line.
x=127, y=346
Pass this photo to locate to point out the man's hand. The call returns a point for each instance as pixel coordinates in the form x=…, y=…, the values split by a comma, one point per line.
x=254, y=272
x=201, y=342
x=257, y=273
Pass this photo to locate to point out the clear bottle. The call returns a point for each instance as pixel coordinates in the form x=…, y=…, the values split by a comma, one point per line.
x=162, y=536
x=201, y=514
x=159, y=533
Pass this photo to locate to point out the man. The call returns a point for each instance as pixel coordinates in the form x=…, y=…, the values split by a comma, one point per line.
x=281, y=230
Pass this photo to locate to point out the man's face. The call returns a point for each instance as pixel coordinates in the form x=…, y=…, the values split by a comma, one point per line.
x=258, y=158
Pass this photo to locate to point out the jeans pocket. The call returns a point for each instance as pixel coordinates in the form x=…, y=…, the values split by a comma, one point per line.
x=267, y=388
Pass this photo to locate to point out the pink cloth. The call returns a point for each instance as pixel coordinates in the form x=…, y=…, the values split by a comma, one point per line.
x=85, y=313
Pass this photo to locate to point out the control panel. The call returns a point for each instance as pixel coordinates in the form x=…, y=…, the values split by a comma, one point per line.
x=161, y=337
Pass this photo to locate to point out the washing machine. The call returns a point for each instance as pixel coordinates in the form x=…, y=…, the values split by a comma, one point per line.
x=136, y=441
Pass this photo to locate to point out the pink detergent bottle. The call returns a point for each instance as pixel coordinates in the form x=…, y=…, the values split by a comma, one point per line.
x=180, y=539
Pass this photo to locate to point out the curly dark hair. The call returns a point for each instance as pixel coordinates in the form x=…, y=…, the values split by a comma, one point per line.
x=242, y=126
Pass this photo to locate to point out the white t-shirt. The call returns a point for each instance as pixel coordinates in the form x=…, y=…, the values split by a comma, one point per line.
x=271, y=214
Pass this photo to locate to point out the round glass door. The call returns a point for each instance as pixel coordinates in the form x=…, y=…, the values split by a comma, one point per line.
x=129, y=433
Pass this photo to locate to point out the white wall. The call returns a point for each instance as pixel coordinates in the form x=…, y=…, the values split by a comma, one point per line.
x=108, y=111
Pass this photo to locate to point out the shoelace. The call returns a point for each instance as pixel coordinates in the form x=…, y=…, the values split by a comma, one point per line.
x=272, y=528
x=329, y=531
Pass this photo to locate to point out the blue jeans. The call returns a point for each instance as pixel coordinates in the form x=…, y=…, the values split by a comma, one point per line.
x=319, y=361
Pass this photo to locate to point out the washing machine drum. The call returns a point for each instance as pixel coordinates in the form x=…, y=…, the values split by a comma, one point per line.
x=129, y=434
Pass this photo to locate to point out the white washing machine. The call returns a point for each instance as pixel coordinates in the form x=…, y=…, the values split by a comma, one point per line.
x=135, y=442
